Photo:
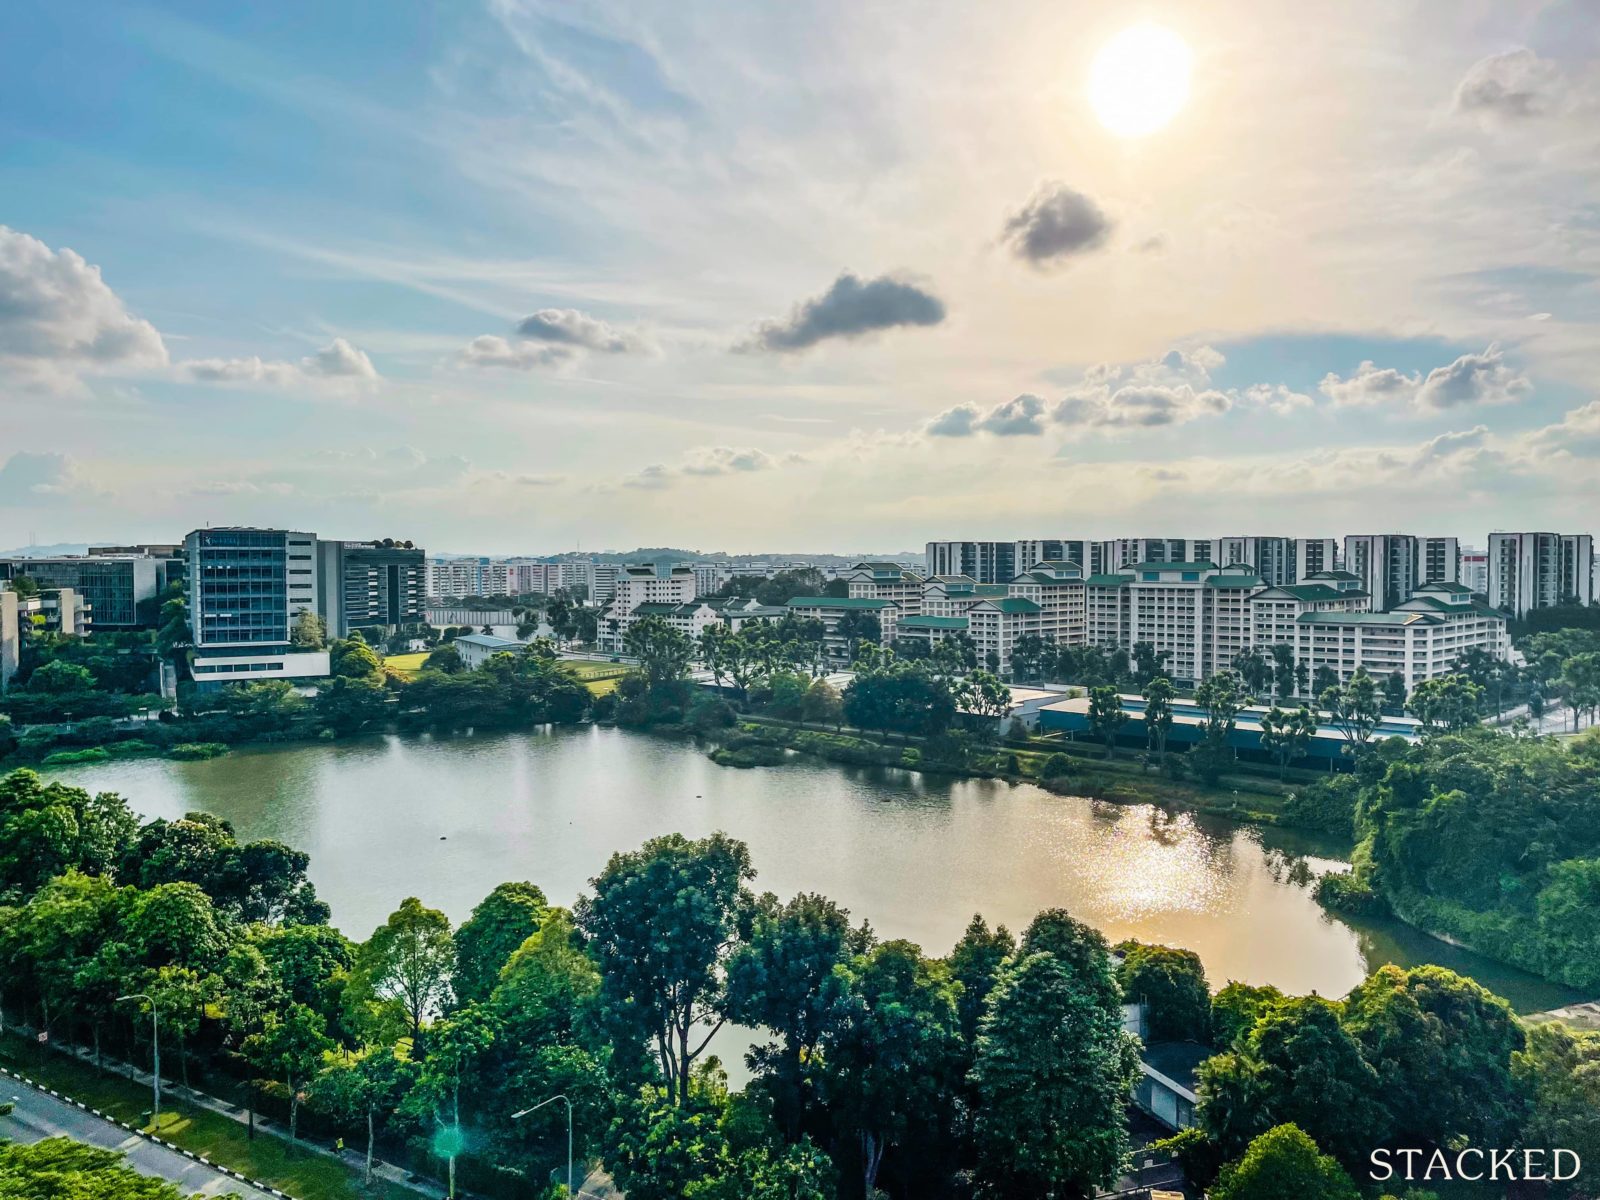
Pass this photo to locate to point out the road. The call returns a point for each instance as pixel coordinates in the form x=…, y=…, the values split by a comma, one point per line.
x=38, y=1116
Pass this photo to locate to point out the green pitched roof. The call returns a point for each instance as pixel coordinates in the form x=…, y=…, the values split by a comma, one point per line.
x=921, y=622
x=1444, y=585
x=1108, y=580
x=1313, y=591
x=839, y=602
x=1366, y=618
x=1174, y=566
x=1345, y=575
x=1236, y=581
x=1014, y=604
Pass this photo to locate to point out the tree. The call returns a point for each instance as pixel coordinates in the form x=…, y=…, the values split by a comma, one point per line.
x=352, y=658
x=309, y=631
x=856, y=626
x=408, y=959
x=446, y=658
x=1027, y=657
x=47, y=829
x=25, y=586
x=662, y=651
x=1222, y=696
x=822, y=704
x=506, y=917
x=984, y=695
x=1172, y=984
x=661, y=923
x=890, y=1064
x=59, y=1167
x=1280, y=1163
x=1283, y=671
x=1285, y=735
x=1297, y=1064
x=1256, y=669
x=1052, y=1074
x=1148, y=662
x=348, y=705
x=717, y=650
x=456, y=1044
x=1237, y=1007
x=1442, y=1048
x=363, y=1089
x=792, y=977
x=1158, y=697
x=975, y=964
x=1355, y=709
x=1106, y=716
x=1447, y=702
x=1394, y=692
x=61, y=678
x=290, y=1047
x=1559, y=1076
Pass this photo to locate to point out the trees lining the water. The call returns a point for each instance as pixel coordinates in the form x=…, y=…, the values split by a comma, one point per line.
x=883, y=1066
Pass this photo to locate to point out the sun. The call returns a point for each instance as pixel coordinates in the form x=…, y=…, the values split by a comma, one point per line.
x=1140, y=80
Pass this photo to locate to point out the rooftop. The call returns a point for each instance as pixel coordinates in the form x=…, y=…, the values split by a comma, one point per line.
x=1234, y=580
x=839, y=602
x=1013, y=604
x=1174, y=566
x=489, y=642
x=1346, y=576
x=921, y=622
x=1108, y=580
x=1366, y=618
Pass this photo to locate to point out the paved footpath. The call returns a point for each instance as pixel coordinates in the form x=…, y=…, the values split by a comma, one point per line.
x=39, y=1115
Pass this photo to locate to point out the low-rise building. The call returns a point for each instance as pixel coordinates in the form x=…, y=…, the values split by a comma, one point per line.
x=1423, y=638
x=60, y=610
x=695, y=617
x=122, y=590
x=478, y=648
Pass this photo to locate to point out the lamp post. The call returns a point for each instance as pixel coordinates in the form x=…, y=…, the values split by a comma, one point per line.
x=517, y=1116
x=155, y=1051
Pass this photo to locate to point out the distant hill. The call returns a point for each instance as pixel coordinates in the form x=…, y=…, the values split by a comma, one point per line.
x=47, y=551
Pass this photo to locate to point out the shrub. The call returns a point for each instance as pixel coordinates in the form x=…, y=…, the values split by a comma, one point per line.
x=195, y=751
x=1343, y=892
x=64, y=758
x=1058, y=766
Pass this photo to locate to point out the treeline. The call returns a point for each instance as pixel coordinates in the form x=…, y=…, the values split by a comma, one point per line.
x=511, y=691
x=999, y=1069
x=1490, y=838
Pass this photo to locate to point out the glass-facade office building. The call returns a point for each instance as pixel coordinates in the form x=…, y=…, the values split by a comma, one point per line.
x=245, y=589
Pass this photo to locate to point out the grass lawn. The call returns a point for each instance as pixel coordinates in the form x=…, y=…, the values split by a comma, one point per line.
x=302, y=1173
x=405, y=665
x=599, y=677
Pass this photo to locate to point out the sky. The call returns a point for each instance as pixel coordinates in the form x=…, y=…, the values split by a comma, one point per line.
x=528, y=277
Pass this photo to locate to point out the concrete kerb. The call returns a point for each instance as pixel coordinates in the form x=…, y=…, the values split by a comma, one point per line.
x=149, y=1137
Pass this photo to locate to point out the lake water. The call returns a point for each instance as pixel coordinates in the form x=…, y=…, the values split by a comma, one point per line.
x=447, y=819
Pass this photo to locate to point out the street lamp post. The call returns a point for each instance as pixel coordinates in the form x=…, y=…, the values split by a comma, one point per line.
x=155, y=1051
x=517, y=1116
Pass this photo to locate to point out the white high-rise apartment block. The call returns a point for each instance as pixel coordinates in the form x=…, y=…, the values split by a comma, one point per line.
x=1119, y=553
x=1273, y=558
x=1439, y=560
x=709, y=577
x=1540, y=570
x=1475, y=570
x=1313, y=556
x=1194, y=613
x=636, y=585
x=1030, y=552
x=1387, y=564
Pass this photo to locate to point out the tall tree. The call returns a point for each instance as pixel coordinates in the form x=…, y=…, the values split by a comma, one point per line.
x=661, y=924
x=792, y=977
x=1158, y=697
x=363, y=1089
x=503, y=920
x=409, y=959
x=890, y=1065
x=1053, y=1072
x=1106, y=716
x=1286, y=735
x=1355, y=709
x=290, y=1047
x=663, y=652
x=1172, y=984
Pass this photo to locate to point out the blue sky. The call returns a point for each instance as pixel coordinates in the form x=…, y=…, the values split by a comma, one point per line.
x=521, y=276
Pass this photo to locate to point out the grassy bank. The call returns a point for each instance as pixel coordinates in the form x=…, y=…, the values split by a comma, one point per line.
x=299, y=1171
x=1239, y=796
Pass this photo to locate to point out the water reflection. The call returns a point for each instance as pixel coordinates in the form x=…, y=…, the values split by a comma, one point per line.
x=914, y=854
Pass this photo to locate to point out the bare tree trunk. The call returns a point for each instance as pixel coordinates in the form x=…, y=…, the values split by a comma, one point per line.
x=371, y=1137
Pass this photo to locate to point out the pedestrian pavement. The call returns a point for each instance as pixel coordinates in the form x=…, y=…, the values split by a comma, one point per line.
x=38, y=1115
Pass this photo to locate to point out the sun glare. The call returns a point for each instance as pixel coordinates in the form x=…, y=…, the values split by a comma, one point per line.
x=1140, y=80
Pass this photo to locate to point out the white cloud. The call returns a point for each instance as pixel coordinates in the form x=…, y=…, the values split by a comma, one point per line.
x=1474, y=379
x=59, y=319
x=569, y=327
x=703, y=461
x=29, y=478
x=491, y=350
x=1471, y=379
x=1516, y=85
x=338, y=360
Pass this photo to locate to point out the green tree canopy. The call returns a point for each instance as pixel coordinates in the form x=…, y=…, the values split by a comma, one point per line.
x=1281, y=1163
x=503, y=920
